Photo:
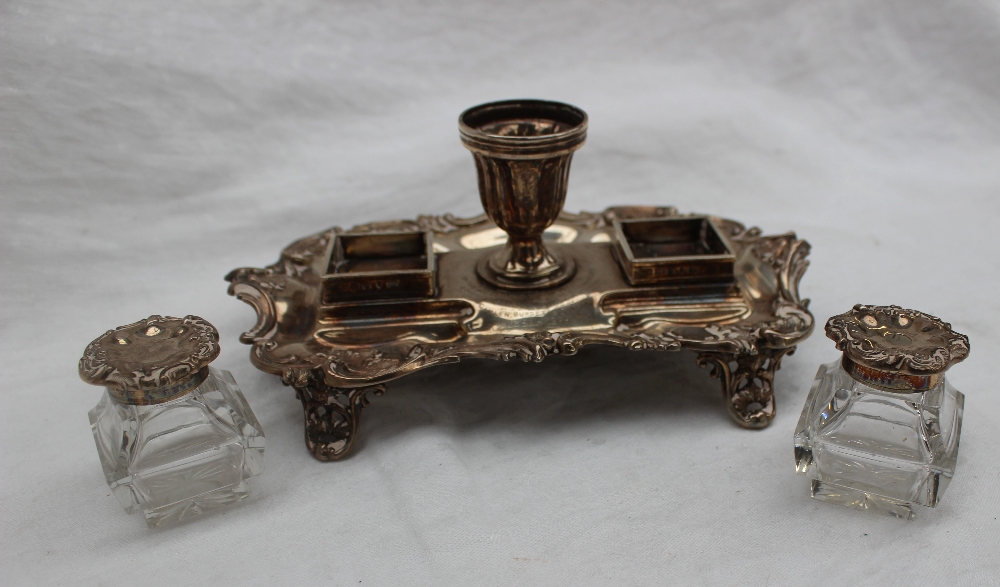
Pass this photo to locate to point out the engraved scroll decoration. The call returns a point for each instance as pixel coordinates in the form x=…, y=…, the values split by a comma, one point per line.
x=743, y=356
x=118, y=359
x=934, y=348
x=747, y=377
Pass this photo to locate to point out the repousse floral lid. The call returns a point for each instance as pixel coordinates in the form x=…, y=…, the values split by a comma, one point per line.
x=894, y=348
x=153, y=360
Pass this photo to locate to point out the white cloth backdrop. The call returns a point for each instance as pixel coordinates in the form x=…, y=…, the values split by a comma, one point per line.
x=150, y=147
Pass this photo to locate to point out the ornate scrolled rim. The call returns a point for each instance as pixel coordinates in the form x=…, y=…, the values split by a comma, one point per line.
x=263, y=304
x=254, y=286
x=356, y=367
x=143, y=384
x=785, y=254
x=365, y=366
x=935, y=354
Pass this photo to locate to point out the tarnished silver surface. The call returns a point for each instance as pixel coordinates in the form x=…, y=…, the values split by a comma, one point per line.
x=335, y=355
x=678, y=250
x=523, y=150
x=525, y=280
x=896, y=349
x=153, y=360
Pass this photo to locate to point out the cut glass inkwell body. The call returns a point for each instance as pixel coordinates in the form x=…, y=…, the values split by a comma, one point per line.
x=880, y=428
x=175, y=437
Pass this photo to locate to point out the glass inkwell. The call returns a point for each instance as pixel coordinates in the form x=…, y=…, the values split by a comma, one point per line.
x=175, y=437
x=880, y=428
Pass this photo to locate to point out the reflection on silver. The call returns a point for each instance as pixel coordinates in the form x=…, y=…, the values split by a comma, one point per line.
x=494, y=237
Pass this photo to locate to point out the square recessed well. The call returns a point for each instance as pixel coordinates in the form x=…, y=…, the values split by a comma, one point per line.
x=377, y=266
x=673, y=250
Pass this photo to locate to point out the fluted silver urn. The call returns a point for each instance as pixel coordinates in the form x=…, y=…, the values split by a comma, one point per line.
x=523, y=150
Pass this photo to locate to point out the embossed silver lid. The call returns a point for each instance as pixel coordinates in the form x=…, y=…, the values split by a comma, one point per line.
x=153, y=360
x=895, y=349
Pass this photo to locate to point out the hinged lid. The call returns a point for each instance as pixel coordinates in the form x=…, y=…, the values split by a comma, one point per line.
x=153, y=360
x=896, y=349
